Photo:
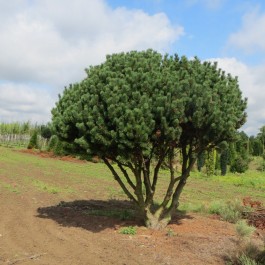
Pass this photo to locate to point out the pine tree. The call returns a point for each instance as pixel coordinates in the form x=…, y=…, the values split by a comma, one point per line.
x=201, y=160
x=137, y=108
x=33, y=142
x=210, y=162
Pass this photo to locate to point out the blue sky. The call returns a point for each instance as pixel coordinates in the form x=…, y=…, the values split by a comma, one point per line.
x=207, y=24
x=46, y=45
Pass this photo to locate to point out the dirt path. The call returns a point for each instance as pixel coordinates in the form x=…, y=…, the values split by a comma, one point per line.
x=63, y=235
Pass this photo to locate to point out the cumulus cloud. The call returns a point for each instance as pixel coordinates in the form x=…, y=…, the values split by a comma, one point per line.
x=53, y=41
x=24, y=103
x=251, y=37
x=251, y=81
x=50, y=43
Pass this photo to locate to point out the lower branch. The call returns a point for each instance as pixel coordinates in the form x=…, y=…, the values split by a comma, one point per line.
x=126, y=175
x=180, y=186
x=118, y=179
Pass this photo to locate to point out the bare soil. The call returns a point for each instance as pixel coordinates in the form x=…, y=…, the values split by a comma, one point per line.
x=51, y=229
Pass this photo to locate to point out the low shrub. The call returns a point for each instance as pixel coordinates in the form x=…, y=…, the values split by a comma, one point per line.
x=193, y=207
x=229, y=211
x=240, y=165
x=129, y=230
x=216, y=207
x=230, y=214
x=245, y=260
x=33, y=142
x=243, y=229
x=56, y=146
x=247, y=254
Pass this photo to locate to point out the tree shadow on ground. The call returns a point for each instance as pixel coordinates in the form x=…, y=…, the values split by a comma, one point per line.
x=97, y=215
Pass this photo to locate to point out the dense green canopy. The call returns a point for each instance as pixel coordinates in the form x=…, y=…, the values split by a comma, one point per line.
x=138, y=108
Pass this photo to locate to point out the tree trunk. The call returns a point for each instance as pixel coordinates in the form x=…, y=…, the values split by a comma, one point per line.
x=155, y=220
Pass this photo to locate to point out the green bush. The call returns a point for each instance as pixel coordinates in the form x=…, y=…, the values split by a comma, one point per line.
x=243, y=229
x=52, y=143
x=230, y=212
x=33, y=142
x=248, y=254
x=46, y=131
x=216, y=207
x=245, y=260
x=59, y=149
x=240, y=165
x=56, y=146
x=261, y=167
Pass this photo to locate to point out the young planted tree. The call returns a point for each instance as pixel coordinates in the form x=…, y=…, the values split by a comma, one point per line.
x=256, y=146
x=210, y=162
x=137, y=108
x=261, y=137
x=33, y=142
x=201, y=157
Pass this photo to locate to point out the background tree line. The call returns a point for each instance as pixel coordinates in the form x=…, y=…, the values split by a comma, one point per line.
x=234, y=157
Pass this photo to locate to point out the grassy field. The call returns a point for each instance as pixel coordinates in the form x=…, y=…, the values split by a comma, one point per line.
x=67, y=211
x=79, y=179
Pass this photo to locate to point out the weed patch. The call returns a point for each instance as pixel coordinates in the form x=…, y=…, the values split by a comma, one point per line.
x=9, y=187
x=129, y=230
x=243, y=229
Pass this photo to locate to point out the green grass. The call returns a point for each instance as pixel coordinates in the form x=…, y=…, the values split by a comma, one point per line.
x=203, y=189
x=129, y=230
x=249, y=179
x=9, y=187
x=42, y=186
x=55, y=176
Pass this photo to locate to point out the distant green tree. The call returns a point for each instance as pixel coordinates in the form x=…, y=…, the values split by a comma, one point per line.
x=231, y=153
x=240, y=153
x=240, y=165
x=201, y=160
x=210, y=162
x=33, y=142
x=137, y=108
x=52, y=142
x=25, y=128
x=46, y=131
x=242, y=145
x=256, y=146
x=261, y=137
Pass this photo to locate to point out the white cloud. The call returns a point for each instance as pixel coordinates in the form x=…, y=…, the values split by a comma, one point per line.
x=50, y=43
x=251, y=37
x=54, y=41
x=251, y=81
x=23, y=102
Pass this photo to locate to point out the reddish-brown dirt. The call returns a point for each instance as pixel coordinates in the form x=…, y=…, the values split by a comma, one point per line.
x=46, y=154
x=37, y=228
x=34, y=233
